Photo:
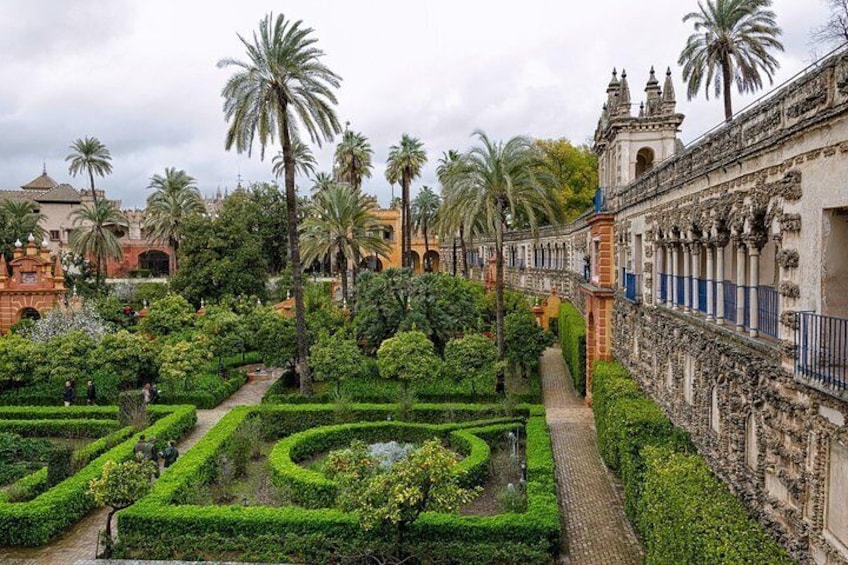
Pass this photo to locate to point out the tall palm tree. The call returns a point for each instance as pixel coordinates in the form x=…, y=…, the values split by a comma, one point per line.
x=404, y=163
x=450, y=219
x=321, y=182
x=282, y=83
x=304, y=160
x=92, y=235
x=353, y=158
x=174, y=200
x=342, y=224
x=20, y=218
x=424, y=209
x=91, y=156
x=731, y=43
x=495, y=182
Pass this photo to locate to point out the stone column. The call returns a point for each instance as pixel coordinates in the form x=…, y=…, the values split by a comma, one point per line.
x=696, y=273
x=710, y=277
x=740, y=286
x=672, y=292
x=669, y=265
x=687, y=273
x=659, y=271
x=754, y=257
x=719, y=285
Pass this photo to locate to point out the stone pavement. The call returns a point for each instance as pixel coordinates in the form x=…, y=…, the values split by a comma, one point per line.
x=596, y=530
x=80, y=541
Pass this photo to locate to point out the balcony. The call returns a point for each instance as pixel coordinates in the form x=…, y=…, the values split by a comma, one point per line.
x=821, y=344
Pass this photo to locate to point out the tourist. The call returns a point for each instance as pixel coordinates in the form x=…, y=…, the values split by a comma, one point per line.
x=170, y=453
x=148, y=396
x=70, y=394
x=138, y=449
x=151, y=454
x=90, y=393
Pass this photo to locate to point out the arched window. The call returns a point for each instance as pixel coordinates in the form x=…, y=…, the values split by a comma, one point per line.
x=30, y=314
x=156, y=262
x=644, y=161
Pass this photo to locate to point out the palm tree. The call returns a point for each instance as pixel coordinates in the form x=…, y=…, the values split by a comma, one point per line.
x=404, y=164
x=321, y=182
x=91, y=156
x=353, y=158
x=731, y=43
x=175, y=199
x=342, y=224
x=450, y=218
x=92, y=235
x=304, y=160
x=282, y=83
x=494, y=183
x=424, y=209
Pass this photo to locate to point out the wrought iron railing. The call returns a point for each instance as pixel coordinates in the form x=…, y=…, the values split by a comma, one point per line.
x=664, y=287
x=729, y=301
x=821, y=344
x=680, y=282
x=768, y=310
x=702, y=296
x=631, y=287
x=600, y=200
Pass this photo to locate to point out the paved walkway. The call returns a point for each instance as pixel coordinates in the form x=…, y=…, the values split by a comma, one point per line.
x=590, y=499
x=79, y=542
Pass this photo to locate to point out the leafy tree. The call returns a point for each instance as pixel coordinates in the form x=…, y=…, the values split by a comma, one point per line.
x=277, y=340
x=19, y=359
x=424, y=209
x=282, y=84
x=426, y=480
x=126, y=357
x=182, y=362
x=525, y=341
x=408, y=357
x=222, y=329
x=222, y=256
x=172, y=314
x=496, y=183
x=574, y=173
x=835, y=30
x=404, y=165
x=342, y=222
x=60, y=321
x=336, y=358
x=91, y=156
x=352, y=159
x=174, y=201
x=93, y=234
x=119, y=486
x=267, y=212
x=68, y=357
x=472, y=357
x=731, y=43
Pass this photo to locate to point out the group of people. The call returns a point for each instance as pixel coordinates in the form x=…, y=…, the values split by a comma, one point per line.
x=70, y=394
x=145, y=450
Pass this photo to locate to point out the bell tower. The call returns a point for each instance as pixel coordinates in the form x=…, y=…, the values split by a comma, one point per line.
x=628, y=146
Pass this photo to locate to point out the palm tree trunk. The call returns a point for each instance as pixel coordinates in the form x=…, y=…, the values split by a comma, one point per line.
x=499, y=289
x=406, y=242
x=175, y=245
x=727, y=80
x=294, y=251
x=93, y=193
x=463, y=248
x=426, y=243
x=342, y=259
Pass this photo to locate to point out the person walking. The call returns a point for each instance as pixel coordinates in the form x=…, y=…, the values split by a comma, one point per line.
x=70, y=394
x=145, y=391
x=139, y=447
x=151, y=454
x=90, y=393
x=170, y=453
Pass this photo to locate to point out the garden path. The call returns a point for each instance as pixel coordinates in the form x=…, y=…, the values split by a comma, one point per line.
x=596, y=531
x=79, y=542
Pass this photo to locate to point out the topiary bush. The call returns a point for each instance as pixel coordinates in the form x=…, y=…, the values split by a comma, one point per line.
x=572, y=339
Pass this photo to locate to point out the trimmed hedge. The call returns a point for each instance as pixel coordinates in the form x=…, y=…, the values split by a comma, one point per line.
x=312, y=489
x=159, y=523
x=209, y=397
x=683, y=513
x=58, y=412
x=59, y=428
x=39, y=520
x=572, y=340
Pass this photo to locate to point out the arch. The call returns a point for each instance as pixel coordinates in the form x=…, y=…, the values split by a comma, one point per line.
x=371, y=263
x=29, y=313
x=431, y=261
x=644, y=161
x=155, y=261
x=416, y=261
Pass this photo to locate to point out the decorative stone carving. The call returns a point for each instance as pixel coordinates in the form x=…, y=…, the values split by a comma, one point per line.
x=789, y=289
x=790, y=223
x=788, y=258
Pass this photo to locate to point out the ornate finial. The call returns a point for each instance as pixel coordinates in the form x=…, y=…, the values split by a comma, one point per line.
x=624, y=95
x=202, y=303
x=45, y=244
x=31, y=238
x=641, y=109
x=668, y=98
x=259, y=302
x=18, y=243
x=44, y=167
x=143, y=302
x=288, y=294
x=75, y=290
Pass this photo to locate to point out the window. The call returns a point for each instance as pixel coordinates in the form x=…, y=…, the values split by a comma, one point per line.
x=644, y=161
x=54, y=235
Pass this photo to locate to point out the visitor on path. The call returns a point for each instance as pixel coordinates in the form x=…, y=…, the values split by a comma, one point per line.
x=170, y=454
x=138, y=448
x=148, y=395
x=151, y=454
x=70, y=394
x=90, y=393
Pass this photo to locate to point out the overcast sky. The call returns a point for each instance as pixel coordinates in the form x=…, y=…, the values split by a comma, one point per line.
x=142, y=77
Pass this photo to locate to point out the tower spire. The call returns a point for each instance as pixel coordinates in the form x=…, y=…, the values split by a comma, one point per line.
x=668, y=99
x=654, y=95
x=624, y=95
x=612, y=92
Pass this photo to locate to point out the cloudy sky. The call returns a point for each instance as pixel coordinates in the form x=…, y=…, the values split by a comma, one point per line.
x=142, y=76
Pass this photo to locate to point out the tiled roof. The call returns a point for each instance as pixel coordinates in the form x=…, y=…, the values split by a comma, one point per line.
x=17, y=195
x=62, y=193
x=41, y=182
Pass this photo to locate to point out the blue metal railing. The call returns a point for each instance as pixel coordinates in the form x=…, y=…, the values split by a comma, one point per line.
x=746, y=308
x=822, y=349
x=664, y=287
x=681, y=290
x=768, y=310
x=729, y=301
x=702, y=295
x=631, y=287
x=600, y=200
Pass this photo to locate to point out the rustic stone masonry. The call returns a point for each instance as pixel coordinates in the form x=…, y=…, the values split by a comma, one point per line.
x=715, y=253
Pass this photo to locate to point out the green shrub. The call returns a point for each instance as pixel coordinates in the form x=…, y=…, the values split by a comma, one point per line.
x=572, y=339
x=59, y=428
x=689, y=516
